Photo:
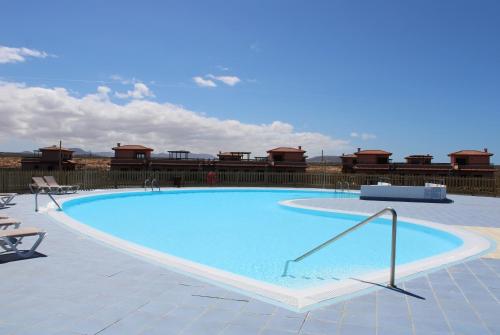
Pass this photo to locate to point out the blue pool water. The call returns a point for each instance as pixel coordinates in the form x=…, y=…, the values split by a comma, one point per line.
x=249, y=233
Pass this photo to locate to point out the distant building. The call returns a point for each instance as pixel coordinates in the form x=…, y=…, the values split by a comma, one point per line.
x=285, y=159
x=50, y=158
x=179, y=160
x=366, y=161
x=138, y=157
x=240, y=161
x=472, y=162
x=462, y=163
x=419, y=159
x=130, y=157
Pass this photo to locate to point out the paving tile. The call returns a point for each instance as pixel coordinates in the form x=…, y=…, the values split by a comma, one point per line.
x=285, y=323
x=394, y=331
x=276, y=332
x=218, y=315
x=465, y=328
x=254, y=321
x=394, y=322
x=319, y=327
x=204, y=328
x=328, y=315
x=158, y=307
x=349, y=329
x=166, y=326
x=258, y=307
x=429, y=325
x=88, y=326
x=238, y=330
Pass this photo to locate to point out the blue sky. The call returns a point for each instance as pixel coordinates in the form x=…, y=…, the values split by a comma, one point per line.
x=408, y=77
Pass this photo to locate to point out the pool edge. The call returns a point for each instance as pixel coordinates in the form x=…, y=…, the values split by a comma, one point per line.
x=298, y=300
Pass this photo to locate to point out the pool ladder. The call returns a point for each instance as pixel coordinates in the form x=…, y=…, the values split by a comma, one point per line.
x=151, y=183
x=350, y=230
x=342, y=184
x=37, y=192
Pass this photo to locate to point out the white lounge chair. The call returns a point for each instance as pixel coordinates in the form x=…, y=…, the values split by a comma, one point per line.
x=6, y=198
x=52, y=182
x=40, y=185
x=10, y=239
x=6, y=222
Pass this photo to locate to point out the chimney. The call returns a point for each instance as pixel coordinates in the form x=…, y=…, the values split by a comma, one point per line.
x=300, y=147
x=485, y=149
x=359, y=149
x=118, y=144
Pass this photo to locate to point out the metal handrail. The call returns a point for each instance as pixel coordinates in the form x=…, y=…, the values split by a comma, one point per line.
x=342, y=186
x=151, y=183
x=50, y=196
x=353, y=228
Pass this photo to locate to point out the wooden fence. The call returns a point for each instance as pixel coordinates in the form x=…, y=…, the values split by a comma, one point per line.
x=15, y=180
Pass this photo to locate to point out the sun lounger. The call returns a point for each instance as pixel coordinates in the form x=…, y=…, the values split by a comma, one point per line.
x=6, y=198
x=10, y=239
x=8, y=222
x=51, y=181
x=40, y=185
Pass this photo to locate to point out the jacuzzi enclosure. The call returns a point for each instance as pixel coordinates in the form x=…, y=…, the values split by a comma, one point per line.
x=243, y=238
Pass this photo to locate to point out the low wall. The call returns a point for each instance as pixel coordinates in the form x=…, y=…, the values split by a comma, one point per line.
x=408, y=193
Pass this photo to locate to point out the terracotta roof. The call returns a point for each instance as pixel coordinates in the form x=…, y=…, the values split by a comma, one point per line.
x=285, y=149
x=132, y=147
x=373, y=152
x=471, y=153
x=55, y=148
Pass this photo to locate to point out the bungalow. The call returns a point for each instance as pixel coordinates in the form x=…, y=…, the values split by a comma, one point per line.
x=130, y=157
x=472, y=163
x=286, y=159
x=366, y=161
x=179, y=160
x=239, y=161
x=138, y=157
x=50, y=158
x=462, y=163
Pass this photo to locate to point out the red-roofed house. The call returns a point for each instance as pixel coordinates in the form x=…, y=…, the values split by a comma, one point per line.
x=366, y=161
x=463, y=163
x=472, y=163
x=49, y=158
x=131, y=157
x=286, y=159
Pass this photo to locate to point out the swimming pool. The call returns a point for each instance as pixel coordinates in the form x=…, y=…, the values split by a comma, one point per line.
x=248, y=235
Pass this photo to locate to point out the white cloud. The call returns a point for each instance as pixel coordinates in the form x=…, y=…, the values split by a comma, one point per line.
x=122, y=80
x=209, y=80
x=104, y=90
x=204, y=82
x=140, y=91
x=44, y=115
x=15, y=55
x=363, y=136
x=228, y=80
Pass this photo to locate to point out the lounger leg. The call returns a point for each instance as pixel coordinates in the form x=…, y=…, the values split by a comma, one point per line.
x=7, y=245
x=15, y=226
x=26, y=254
